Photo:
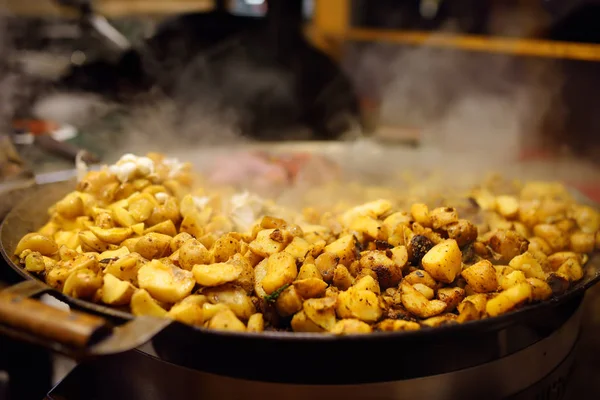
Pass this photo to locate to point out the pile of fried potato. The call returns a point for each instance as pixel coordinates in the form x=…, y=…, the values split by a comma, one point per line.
x=138, y=239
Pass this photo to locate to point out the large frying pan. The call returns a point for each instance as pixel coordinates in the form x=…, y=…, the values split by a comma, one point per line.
x=303, y=358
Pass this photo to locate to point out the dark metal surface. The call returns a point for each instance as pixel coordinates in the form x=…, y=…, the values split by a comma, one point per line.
x=416, y=354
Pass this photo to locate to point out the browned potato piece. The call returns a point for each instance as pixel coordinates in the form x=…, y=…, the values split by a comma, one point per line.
x=321, y=312
x=359, y=304
x=115, y=291
x=310, y=288
x=390, y=325
x=527, y=263
x=233, y=297
x=246, y=278
x=224, y=248
x=442, y=216
x=439, y=320
x=420, y=276
x=556, y=238
x=571, y=269
x=443, y=261
x=226, y=321
x=153, y=245
x=165, y=282
x=326, y=264
x=216, y=274
x=189, y=310
x=508, y=244
x=281, y=270
x=468, y=312
x=344, y=249
x=256, y=323
x=479, y=300
x=298, y=248
x=463, y=231
x=301, y=323
x=289, y=302
x=143, y=304
x=270, y=241
x=418, y=304
x=582, y=242
x=82, y=284
x=481, y=277
x=342, y=279
x=388, y=273
x=424, y=290
x=509, y=299
x=557, y=259
x=36, y=242
x=452, y=296
x=540, y=289
x=193, y=252
x=350, y=326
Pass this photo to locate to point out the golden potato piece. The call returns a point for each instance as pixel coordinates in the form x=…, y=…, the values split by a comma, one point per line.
x=572, y=269
x=115, y=291
x=125, y=268
x=71, y=206
x=391, y=325
x=270, y=241
x=420, y=213
x=444, y=261
x=289, y=302
x=165, y=283
x=193, y=252
x=308, y=271
x=233, y=297
x=215, y=274
x=507, y=206
x=166, y=228
x=310, y=288
x=467, y=311
x=342, y=279
x=582, y=242
x=537, y=244
x=192, y=225
x=326, y=264
x=481, y=277
x=508, y=244
x=350, y=326
x=117, y=253
x=367, y=283
x=226, y=321
x=418, y=304
x=420, y=276
x=209, y=310
x=442, y=216
x=359, y=304
x=424, y=290
x=301, y=323
x=189, y=310
x=143, y=304
x=34, y=262
x=82, y=284
x=224, y=248
x=344, y=249
x=36, y=242
x=112, y=235
x=368, y=226
x=260, y=271
x=179, y=240
x=392, y=221
x=298, y=248
x=509, y=299
x=256, y=323
x=556, y=238
x=153, y=245
x=540, y=289
x=439, y=320
x=321, y=312
x=372, y=209
x=69, y=239
x=513, y=278
x=400, y=256
x=529, y=265
x=452, y=296
x=281, y=270
x=141, y=206
x=57, y=276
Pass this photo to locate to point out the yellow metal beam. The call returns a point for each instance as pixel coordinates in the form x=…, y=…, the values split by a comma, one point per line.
x=519, y=47
x=331, y=20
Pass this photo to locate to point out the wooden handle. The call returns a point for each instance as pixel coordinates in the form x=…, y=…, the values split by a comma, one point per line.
x=73, y=329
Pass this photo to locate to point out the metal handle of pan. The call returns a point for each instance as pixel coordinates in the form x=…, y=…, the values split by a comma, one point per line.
x=72, y=333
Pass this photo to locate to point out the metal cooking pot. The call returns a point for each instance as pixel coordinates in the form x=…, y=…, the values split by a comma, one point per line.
x=525, y=345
